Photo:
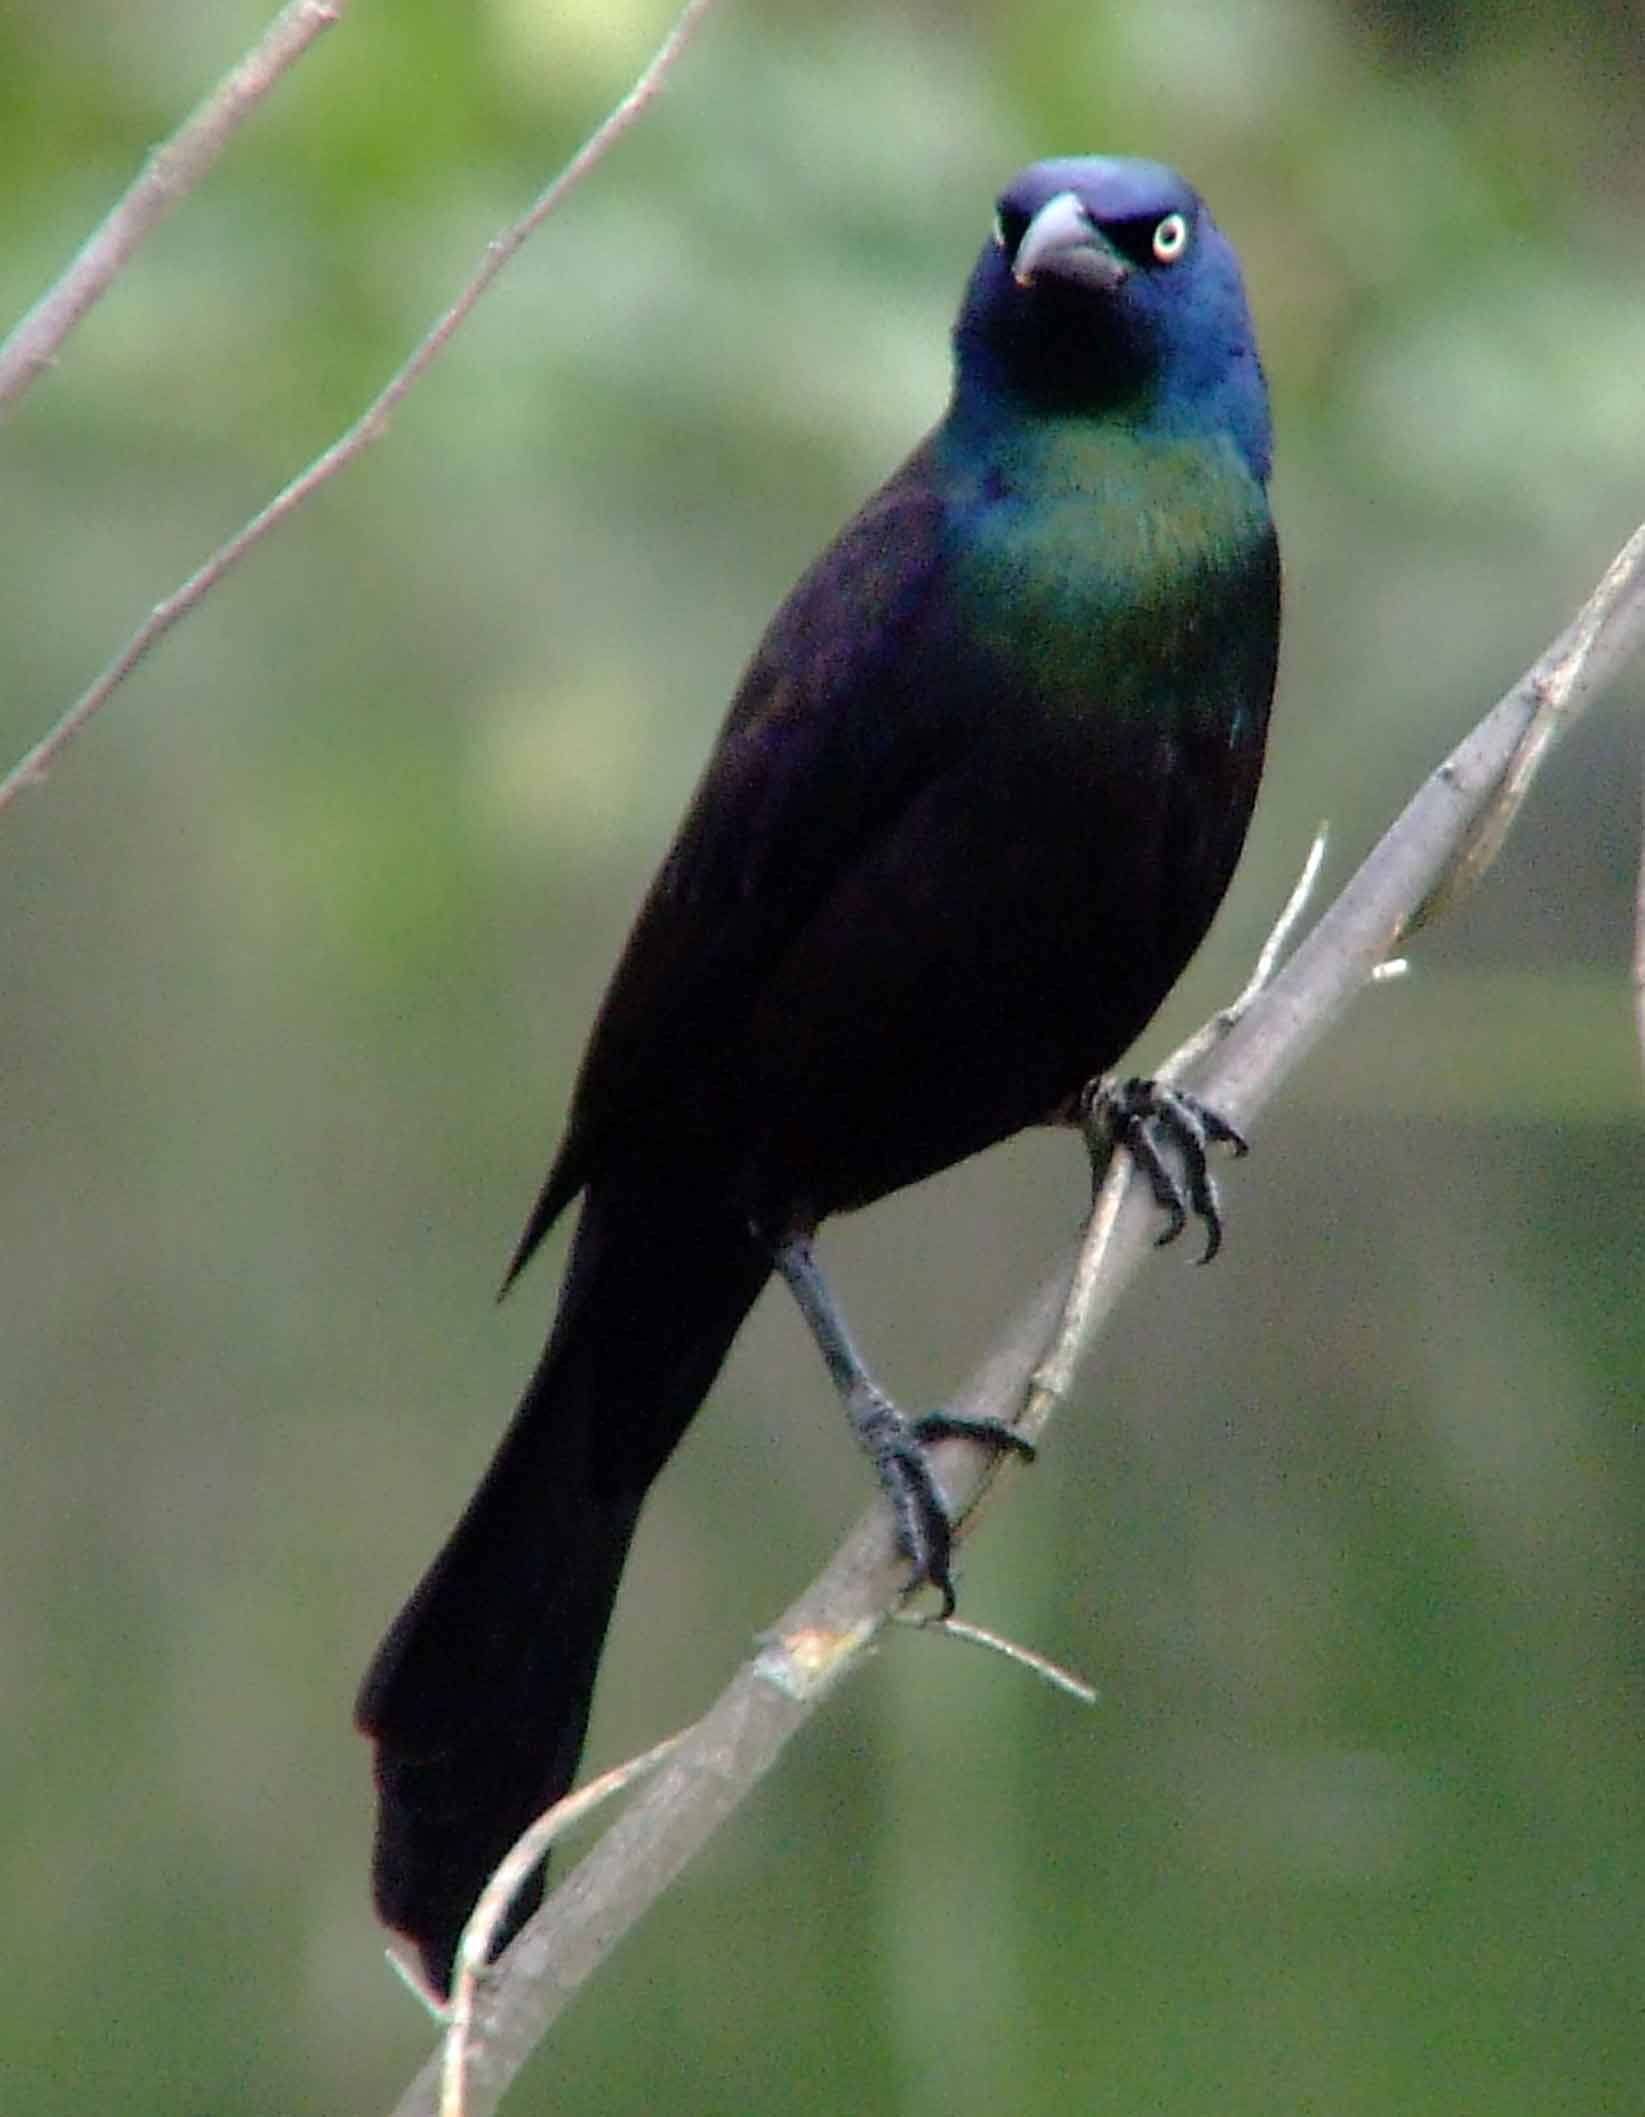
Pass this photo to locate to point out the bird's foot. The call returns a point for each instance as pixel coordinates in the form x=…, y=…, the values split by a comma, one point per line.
x=1168, y=1134
x=900, y=1448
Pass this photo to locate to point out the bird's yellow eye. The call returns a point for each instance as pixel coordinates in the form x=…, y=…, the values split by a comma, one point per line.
x=1171, y=238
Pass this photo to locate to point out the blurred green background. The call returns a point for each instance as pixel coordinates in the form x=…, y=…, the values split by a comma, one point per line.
x=300, y=944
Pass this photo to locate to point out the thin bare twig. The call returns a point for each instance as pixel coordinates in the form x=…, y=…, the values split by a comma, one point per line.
x=1205, y=1039
x=372, y=422
x=499, y=1893
x=1559, y=684
x=169, y=175
x=1041, y=1665
x=830, y=1629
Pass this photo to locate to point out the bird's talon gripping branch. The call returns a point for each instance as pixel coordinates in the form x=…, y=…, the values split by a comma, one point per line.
x=986, y=1433
x=898, y=1446
x=924, y=1433
x=925, y=1531
x=1168, y=1134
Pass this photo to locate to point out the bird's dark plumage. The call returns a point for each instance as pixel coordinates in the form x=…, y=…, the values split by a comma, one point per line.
x=976, y=801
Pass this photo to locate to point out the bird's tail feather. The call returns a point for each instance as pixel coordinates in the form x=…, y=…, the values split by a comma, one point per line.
x=478, y=1698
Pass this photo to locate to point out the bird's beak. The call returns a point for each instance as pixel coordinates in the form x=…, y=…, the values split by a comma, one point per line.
x=1063, y=242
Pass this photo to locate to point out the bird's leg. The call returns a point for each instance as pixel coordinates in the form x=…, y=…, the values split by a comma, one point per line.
x=1167, y=1133
x=897, y=1444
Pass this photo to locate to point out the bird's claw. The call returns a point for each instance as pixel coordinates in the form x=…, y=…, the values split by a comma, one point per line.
x=986, y=1433
x=925, y=1528
x=1154, y=1122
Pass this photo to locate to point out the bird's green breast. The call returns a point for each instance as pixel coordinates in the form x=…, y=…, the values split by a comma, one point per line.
x=1101, y=572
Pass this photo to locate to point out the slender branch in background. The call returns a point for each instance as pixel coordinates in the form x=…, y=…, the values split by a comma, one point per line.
x=372, y=422
x=1437, y=846
x=169, y=175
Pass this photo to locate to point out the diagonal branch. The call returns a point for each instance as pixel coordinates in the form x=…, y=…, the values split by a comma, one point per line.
x=169, y=175
x=1436, y=848
x=372, y=422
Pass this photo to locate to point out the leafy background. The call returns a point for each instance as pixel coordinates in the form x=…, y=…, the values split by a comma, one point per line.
x=299, y=946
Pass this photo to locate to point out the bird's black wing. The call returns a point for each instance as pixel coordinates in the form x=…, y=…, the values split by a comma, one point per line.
x=833, y=731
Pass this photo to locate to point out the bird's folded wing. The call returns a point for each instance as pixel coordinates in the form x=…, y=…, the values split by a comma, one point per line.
x=834, y=731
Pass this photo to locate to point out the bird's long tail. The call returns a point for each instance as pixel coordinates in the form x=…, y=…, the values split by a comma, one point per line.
x=478, y=1697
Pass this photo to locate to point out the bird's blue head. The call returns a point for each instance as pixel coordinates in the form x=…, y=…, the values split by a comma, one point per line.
x=1106, y=288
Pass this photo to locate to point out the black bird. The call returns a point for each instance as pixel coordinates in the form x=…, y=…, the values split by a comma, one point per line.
x=975, y=803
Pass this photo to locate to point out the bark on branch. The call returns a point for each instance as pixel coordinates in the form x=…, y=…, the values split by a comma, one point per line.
x=169, y=175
